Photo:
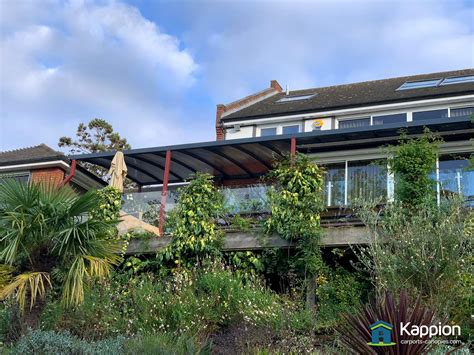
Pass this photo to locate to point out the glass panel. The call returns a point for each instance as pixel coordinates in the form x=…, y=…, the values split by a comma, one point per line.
x=387, y=119
x=430, y=115
x=458, y=80
x=145, y=205
x=367, y=180
x=419, y=84
x=334, y=184
x=455, y=176
x=268, y=132
x=360, y=122
x=248, y=199
x=291, y=129
x=461, y=112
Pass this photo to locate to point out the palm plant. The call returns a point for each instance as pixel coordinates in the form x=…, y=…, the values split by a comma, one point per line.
x=47, y=238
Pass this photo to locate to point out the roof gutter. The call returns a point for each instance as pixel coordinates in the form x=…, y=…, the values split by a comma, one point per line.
x=47, y=164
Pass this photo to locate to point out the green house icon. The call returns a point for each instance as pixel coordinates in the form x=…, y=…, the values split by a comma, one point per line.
x=381, y=334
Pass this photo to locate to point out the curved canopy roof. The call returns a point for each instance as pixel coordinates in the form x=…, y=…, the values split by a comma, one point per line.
x=253, y=157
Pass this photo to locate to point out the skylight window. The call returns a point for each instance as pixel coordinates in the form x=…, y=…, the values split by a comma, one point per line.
x=295, y=98
x=458, y=80
x=419, y=84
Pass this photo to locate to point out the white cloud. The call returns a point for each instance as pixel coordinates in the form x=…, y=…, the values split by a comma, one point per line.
x=308, y=44
x=66, y=62
x=86, y=60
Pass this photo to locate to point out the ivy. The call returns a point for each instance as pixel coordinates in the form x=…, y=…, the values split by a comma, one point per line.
x=195, y=234
x=412, y=161
x=111, y=202
x=296, y=201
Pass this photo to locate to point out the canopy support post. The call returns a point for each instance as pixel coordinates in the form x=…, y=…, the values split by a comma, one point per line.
x=164, y=192
x=293, y=147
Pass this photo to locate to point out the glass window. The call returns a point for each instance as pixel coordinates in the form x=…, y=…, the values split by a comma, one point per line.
x=295, y=98
x=387, y=119
x=268, y=132
x=455, y=176
x=291, y=129
x=419, y=84
x=462, y=112
x=458, y=80
x=21, y=177
x=366, y=180
x=334, y=184
x=430, y=115
x=359, y=122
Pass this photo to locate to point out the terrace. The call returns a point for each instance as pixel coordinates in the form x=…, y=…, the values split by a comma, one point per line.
x=238, y=165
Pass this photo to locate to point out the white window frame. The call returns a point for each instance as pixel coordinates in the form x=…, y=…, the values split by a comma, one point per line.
x=279, y=127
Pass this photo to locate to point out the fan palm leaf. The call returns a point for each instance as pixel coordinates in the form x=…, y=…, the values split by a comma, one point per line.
x=28, y=284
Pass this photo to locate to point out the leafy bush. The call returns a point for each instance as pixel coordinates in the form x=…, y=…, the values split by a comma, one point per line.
x=50, y=342
x=166, y=344
x=198, y=302
x=428, y=254
x=339, y=291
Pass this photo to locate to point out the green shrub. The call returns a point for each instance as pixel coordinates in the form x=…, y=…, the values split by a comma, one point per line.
x=50, y=342
x=165, y=344
x=198, y=302
x=340, y=292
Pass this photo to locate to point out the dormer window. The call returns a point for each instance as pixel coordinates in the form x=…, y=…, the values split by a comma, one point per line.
x=290, y=98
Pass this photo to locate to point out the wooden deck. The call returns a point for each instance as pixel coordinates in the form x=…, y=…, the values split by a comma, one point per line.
x=256, y=240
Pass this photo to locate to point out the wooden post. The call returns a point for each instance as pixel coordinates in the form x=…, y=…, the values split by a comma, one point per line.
x=293, y=147
x=164, y=192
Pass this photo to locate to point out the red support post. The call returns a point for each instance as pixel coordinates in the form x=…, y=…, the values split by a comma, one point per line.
x=293, y=147
x=164, y=192
x=72, y=172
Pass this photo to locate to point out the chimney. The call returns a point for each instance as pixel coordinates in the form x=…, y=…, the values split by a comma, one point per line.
x=275, y=85
x=287, y=89
x=219, y=131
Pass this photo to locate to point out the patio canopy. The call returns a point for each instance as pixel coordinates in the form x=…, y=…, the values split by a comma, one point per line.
x=252, y=157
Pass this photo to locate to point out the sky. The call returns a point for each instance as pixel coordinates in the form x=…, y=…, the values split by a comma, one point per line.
x=157, y=69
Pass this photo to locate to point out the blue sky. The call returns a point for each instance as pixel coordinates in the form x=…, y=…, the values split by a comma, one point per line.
x=156, y=69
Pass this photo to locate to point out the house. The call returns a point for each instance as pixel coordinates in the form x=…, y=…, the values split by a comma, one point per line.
x=344, y=128
x=43, y=164
x=381, y=333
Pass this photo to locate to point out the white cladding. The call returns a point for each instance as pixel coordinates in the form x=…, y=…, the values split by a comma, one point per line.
x=330, y=119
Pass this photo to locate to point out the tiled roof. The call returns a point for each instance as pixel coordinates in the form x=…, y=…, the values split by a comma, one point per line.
x=354, y=95
x=30, y=154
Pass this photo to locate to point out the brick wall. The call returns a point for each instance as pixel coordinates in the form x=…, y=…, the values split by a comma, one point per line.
x=234, y=106
x=54, y=175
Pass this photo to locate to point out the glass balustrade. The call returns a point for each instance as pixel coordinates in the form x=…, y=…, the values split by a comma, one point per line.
x=365, y=180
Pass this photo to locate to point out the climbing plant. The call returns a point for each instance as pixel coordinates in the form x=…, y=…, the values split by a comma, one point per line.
x=296, y=201
x=412, y=161
x=110, y=204
x=195, y=234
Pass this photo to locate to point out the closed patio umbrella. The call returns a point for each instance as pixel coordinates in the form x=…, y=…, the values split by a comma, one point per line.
x=118, y=171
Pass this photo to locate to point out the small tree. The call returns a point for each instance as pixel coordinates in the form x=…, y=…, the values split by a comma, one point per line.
x=296, y=201
x=195, y=234
x=97, y=136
